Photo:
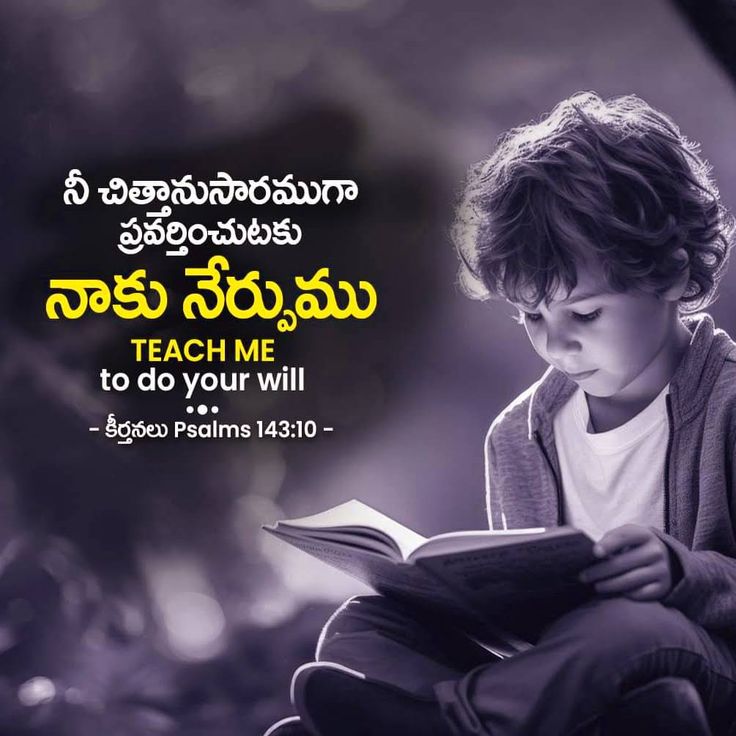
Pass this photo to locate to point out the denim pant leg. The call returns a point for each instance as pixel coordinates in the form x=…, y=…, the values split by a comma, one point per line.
x=581, y=666
x=393, y=643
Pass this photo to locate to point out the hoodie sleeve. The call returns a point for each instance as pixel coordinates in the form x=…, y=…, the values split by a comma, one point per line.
x=494, y=510
x=706, y=589
x=705, y=583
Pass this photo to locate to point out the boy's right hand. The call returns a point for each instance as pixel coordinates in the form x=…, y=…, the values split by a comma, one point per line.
x=635, y=563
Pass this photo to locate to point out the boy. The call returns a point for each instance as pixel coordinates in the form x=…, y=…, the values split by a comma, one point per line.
x=601, y=225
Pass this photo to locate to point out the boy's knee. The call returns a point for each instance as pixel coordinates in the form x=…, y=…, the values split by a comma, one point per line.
x=359, y=615
x=619, y=625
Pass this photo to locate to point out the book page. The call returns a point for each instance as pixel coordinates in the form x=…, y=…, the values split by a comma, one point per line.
x=408, y=582
x=483, y=538
x=358, y=515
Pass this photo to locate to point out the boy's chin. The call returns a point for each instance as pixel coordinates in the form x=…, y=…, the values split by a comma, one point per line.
x=598, y=394
x=602, y=388
x=599, y=388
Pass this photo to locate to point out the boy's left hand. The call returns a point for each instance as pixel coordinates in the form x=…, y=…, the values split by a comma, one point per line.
x=636, y=564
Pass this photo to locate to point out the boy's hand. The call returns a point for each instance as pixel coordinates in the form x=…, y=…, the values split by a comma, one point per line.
x=636, y=564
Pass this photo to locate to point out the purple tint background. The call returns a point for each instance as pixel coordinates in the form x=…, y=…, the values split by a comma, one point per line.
x=400, y=95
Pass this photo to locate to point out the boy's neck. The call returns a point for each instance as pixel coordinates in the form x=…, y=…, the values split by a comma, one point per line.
x=609, y=412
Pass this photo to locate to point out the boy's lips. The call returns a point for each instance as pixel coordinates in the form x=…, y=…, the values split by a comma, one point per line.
x=580, y=376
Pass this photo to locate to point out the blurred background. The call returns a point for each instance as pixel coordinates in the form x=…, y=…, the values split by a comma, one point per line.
x=137, y=593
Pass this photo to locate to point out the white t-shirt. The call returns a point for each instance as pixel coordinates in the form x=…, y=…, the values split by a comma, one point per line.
x=615, y=477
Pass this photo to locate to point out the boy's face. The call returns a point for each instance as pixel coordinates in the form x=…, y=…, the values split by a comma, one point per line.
x=609, y=343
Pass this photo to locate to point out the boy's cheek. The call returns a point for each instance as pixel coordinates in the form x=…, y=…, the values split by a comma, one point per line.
x=539, y=350
x=536, y=344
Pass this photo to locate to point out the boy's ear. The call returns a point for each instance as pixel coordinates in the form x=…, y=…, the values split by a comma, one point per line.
x=677, y=289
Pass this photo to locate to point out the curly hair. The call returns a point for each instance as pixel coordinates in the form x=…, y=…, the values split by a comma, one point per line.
x=612, y=180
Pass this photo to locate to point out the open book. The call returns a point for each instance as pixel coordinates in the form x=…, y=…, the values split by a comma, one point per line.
x=506, y=583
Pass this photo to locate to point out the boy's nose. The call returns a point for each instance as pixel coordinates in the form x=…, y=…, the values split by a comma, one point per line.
x=560, y=345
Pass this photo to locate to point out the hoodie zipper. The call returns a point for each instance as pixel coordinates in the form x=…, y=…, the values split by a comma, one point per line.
x=558, y=485
x=667, y=455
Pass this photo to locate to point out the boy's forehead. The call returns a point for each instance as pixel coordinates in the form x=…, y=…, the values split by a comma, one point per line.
x=591, y=282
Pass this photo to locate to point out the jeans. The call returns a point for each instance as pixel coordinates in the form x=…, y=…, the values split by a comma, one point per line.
x=580, y=666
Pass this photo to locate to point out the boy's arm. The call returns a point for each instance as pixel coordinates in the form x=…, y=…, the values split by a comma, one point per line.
x=705, y=584
x=706, y=590
x=493, y=510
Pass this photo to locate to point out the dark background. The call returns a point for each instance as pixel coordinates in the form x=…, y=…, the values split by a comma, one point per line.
x=136, y=580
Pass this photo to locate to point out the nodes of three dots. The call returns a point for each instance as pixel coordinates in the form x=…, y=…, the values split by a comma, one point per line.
x=202, y=409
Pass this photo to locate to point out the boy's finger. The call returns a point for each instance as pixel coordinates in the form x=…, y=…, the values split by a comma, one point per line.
x=628, y=581
x=629, y=535
x=637, y=557
x=649, y=592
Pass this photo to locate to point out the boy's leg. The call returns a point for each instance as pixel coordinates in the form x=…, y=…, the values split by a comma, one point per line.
x=394, y=643
x=582, y=665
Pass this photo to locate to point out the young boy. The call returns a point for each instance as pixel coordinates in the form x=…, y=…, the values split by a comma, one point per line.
x=601, y=225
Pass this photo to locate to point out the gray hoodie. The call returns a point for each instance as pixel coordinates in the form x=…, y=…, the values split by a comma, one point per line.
x=522, y=471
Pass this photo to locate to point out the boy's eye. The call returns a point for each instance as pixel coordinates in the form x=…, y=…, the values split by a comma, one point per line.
x=589, y=317
x=522, y=317
x=536, y=317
